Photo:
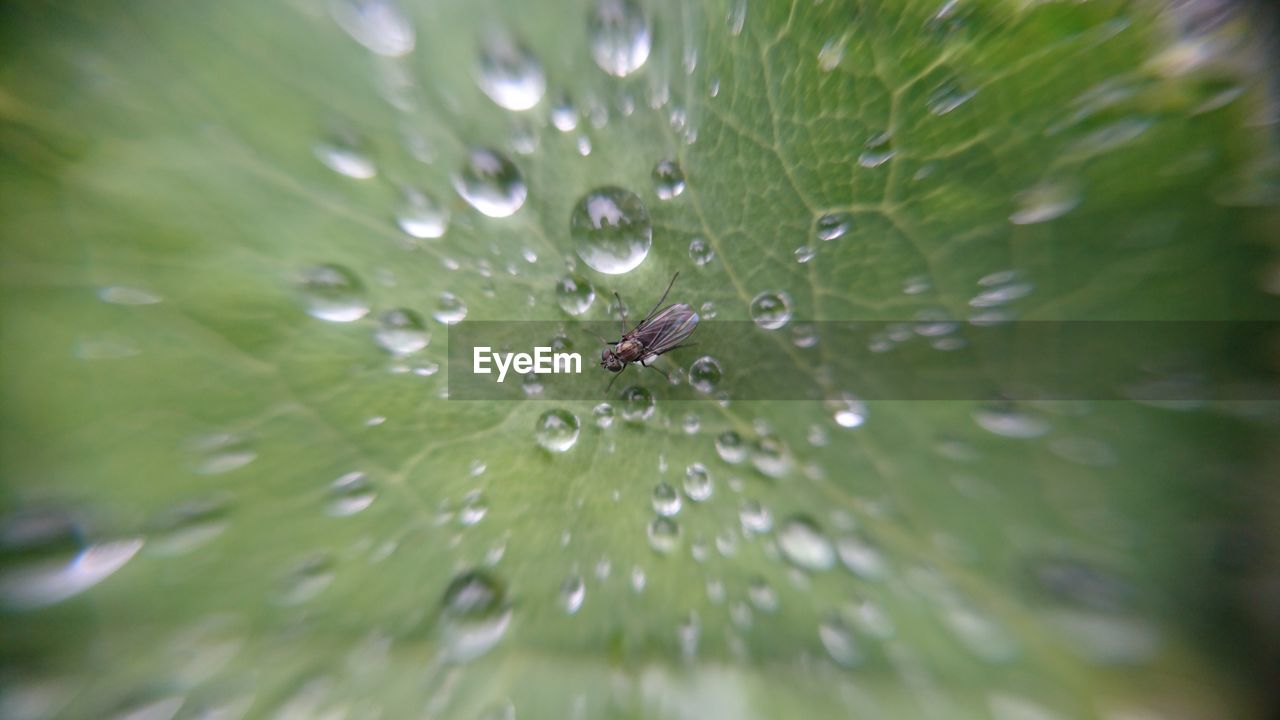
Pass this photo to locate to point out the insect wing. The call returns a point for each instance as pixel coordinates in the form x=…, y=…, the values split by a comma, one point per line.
x=667, y=329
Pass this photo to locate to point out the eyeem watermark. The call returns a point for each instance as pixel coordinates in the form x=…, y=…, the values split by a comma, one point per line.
x=543, y=361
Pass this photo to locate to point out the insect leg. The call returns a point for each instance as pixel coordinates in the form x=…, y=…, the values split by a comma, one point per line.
x=615, y=379
x=661, y=299
x=621, y=309
x=660, y=372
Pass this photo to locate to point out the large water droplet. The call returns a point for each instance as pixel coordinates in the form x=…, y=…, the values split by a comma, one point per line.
x=611, y=231
x=668, y=180
x=350, y=494
x=664, y=535
x=572, y=593
x=45, y=559
x=491, y=183
x=637, y=404
x=666, y=501
x=771, y=310
x=697, y=482
x=619, y=36
x=421, y=216
x=557, y=430
x=804, y=544
x=509, y=74
x=704, y=374
x=574, y=295
x=333, y=293
x=474, y=616
x=379, y=25
x=402, y=332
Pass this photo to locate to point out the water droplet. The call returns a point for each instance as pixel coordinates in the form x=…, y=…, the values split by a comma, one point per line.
x=755, y=518
x=333, y=293
x=575, y=295
x=221, y=453
x=117, y=295
x=346, y=156
x=878, y=151
x=666, y=501
x=838, y=639
x=637, y=404
x=705, y=374
x=421, y=216
x=603, y=414
x=474, y=508
x=491, y=183
x=350, y=494
x=691, y=424
x=509, y=74
x=637, y=578
x=1049, y=200
x=474, y=616
x=619, y=36
x=737, y=17
x=834, y=225
x=306, y=579
x=557, y=430
x=450, y=309
x=697, y=482
x=1007, y=421
x=771, y=310
x=402, y=332
x=769, y=456
x=664, y=535
x=379, y=25
x=700, y=251
x=947, y=97
x=762, y=595
x=573, y=591
x=668, y=179
x=861, y=557
x=848, y=410
x=805, y=253
x=584, y=145
x=730, y=448
x=188, y=526
x=611, y=230
x=564, y=117
x=46, y=560
x=687, y=634
x=832, y=52
x=804, y=544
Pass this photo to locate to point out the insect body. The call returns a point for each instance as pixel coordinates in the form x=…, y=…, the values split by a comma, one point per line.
x=660, y=332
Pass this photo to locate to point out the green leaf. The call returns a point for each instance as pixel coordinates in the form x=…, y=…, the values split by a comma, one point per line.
x=217, y=501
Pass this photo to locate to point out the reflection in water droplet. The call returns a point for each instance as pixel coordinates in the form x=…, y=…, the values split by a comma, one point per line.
x=491, y=183
x=697, y=482
x=509, y=74
x=350, y=494
x=575, y=295
x=345, y=156
x=421, y=216
x=848, y=410
x=402, y=332
x=666, y=501
x=611, y=230
x=837, y=638
x=804, y=544
x=664, y=535
x=474, y=616
x=557, y=430
x=730, y=448
x=700, y=251
x=637, y=404
x=450, y=309
x=668, y=180
x=572, y=593
x=704, y=374
x=1049, y=200
x=333, y=293
x=619, y=36
x=379, y=25
x=1005, y=420
x=771, y=310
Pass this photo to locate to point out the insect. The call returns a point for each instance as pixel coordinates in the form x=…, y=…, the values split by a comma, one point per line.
x=660, y=332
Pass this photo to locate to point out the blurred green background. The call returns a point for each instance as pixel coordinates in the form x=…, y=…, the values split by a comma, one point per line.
x=234, y=233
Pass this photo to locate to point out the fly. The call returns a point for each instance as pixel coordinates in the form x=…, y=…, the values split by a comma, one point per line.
x=660, y=332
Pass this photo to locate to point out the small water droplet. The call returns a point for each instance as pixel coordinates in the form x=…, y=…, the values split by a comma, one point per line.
x=860, y=557
x=573, y=591
x=705, y=374
x=832, y=52
x=474, y=508
x=737, y=17
x=668, y=180
x=730, y=447
x=948, y=97
x=769, y=456
x=491, y=183
x=450, y=309
x=188, y=526
x=350, y=494
x=421, y=216
x=637, y=578
x=1007, y=421
x=379, y=25
x=838, y=639
x=848, y=410
x=666, y=501
x=117, y=295
x=687, y=634
x=221, y=453
x=691, y=424
x=557, y=430
x=575, y=295
x=603, y=414
x=805, y=253
x=664, y=535
x=697, y=482
x=762, y=595
x=755, y=518
x=564, y=117
x=584, y=145
x=611, y=230
x=619, y=36
x=1047, y=201
x=804, y=544
x=509, y=74
x=637, y=404
x=402, y=332
x=306, y=579
x=878, y=151
x=700, y=251
x=333, y=293
x=771, y=310
x=346, y=156
x=832, y=226
x=474, y=616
